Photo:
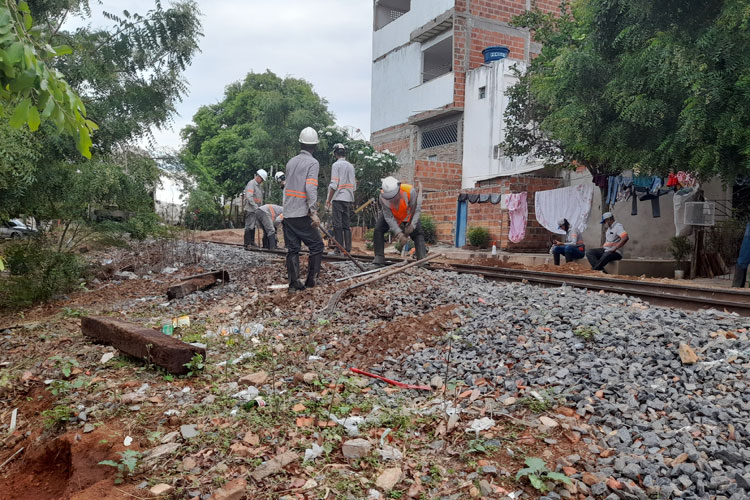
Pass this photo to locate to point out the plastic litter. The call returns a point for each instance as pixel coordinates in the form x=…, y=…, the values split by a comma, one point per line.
x=246, y=395
x=351, y=424
x=480, y=424
x=312, y=453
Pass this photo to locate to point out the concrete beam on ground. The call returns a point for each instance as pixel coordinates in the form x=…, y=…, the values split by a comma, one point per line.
x=196, y=283
x=149, y=345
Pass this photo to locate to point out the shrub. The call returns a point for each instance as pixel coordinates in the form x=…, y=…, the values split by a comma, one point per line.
x=369, y=236
x=680, y=247
x=38, y=273
x=203, y=211
x=479, y=237
x=428, y=228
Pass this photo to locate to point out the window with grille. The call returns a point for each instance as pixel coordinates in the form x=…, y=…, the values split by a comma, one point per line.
x=439, y=136
x=387, y=11
x=482, y=92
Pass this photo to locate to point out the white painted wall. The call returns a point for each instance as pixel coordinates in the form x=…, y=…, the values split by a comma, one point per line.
x=484, y=125
x=396, y=89
x=398, y=32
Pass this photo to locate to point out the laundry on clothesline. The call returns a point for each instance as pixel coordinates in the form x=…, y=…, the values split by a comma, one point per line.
x=572, y=203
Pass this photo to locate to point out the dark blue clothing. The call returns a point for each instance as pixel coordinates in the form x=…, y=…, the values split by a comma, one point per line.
x=740, y=270
x=571, y=253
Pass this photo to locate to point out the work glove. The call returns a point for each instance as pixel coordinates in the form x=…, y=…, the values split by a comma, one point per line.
x=315, y=220
x=409, y=229
x=402, y=238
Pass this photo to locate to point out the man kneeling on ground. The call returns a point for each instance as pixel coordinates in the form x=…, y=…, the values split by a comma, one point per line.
x=401, y=205
x=615, y=239
x=572, y=248
x=270, y=218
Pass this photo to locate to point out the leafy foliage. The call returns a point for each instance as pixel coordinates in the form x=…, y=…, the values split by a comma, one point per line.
x=126, y=466
x=478, y=236
x=30, y=85
x=428, y=228
x=537, y=473
x=195, y=365
x=680, y=247
x=57, y=418
x=654, y=86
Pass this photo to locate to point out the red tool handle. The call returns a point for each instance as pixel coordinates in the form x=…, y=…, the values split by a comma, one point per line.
x=392, y=382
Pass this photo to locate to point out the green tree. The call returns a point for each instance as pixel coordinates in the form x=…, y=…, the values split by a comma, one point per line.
x=255, y=126
x=30, y=86
x=654, y=86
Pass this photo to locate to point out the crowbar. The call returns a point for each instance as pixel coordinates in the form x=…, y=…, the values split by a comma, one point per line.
x=343, y=250
x=392, y=382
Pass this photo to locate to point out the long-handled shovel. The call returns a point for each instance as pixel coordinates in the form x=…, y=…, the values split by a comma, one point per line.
x=343, y=250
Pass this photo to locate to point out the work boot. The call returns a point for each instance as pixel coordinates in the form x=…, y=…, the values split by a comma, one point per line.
x=264, y=241
x=378, y=244
x=313, y=269
x=271, y=238
x=248, y=238
x=292, y=270
x=379, y=260
x=419, y=245
x=348, y=240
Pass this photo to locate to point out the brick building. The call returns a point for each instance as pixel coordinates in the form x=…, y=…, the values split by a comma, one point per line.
x=439, y=107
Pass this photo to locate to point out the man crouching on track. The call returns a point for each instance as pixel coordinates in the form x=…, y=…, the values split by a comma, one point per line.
x=301, y=220
x=400, y=204
x=270, y=217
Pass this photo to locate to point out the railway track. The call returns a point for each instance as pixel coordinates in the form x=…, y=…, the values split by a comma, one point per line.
x=662, y=294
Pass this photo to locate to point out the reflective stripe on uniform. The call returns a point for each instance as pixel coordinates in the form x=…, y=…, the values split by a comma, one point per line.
x=312, y=181
x=295, y=194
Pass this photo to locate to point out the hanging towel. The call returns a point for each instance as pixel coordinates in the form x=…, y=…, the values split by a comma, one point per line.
x=473, y=198
x=519, y=214
x=495, y=199
x=504, y=201
x=680, y=198
x=484, y=198
x=463, y=197
x=572, y=203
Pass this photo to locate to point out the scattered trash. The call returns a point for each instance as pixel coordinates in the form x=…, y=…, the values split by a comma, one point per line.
x=248, y=394
x=167, y=329
x=351, y=424
x=127, y=441
x=312, y=453
x=181, y=322
x=106, y=357
x=392, y=382
x=388, y=452
x=279, y=287
x=480, y=424
x=13, y=417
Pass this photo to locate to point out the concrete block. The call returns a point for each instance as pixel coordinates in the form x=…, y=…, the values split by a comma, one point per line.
x=143, y=343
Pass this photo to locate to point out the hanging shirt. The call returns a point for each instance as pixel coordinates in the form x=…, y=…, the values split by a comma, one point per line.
x=614, y=236
x=253, y=196
x=401, y=208
x=301, y=188
x=343, y=182
x=518, y=211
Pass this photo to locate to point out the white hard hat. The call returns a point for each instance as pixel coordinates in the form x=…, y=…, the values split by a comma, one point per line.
x=308, y=136
x=263, y=174
x=390, y=187
x=338, y=146
x=279, y=176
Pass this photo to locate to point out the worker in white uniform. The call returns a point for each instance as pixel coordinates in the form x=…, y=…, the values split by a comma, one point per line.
x=253, y=200
x=341, y=195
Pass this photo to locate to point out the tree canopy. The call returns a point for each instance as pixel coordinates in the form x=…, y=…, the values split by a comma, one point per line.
x=655, y=86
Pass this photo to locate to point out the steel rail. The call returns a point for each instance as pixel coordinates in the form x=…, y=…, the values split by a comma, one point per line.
x=662, y=294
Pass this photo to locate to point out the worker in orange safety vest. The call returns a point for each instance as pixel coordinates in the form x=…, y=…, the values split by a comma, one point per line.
x=401, y=208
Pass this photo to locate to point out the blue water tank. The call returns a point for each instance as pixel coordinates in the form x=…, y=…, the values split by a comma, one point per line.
x=496, y=53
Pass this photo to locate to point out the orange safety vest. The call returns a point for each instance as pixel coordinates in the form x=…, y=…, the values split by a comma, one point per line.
x=401, y=212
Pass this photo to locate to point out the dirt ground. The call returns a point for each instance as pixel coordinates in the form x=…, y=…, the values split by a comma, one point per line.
x=76, y=410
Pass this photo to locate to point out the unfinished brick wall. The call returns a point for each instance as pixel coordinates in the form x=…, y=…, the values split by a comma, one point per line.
x=442, y=206
x=437, y=175
x=481, y=39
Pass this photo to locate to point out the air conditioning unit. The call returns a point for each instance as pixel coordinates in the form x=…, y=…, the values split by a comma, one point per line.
x=700, y=213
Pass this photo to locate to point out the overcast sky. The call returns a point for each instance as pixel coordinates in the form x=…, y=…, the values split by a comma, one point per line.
x=326, y=42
